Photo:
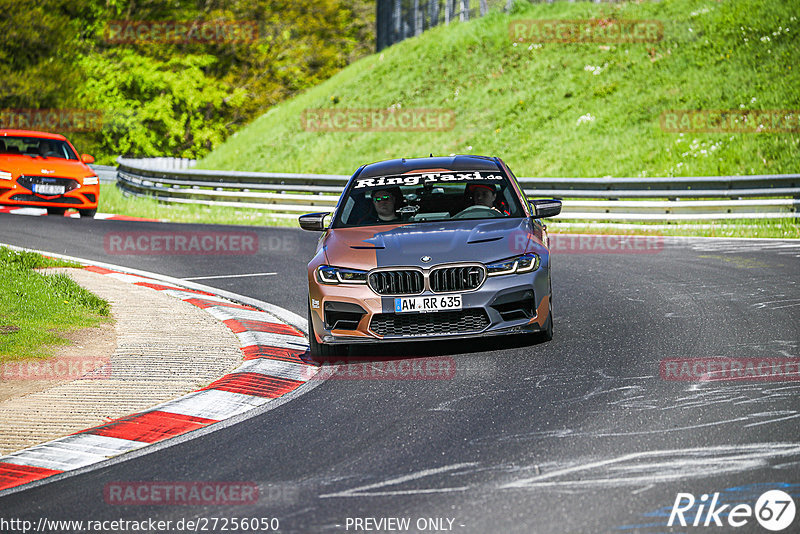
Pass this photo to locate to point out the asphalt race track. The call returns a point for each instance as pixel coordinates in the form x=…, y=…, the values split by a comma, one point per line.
x=581, y=434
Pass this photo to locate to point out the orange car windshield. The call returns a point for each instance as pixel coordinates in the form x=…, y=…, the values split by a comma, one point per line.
x=36, y=147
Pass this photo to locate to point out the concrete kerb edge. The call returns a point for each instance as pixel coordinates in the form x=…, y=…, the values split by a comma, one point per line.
x=284, y=315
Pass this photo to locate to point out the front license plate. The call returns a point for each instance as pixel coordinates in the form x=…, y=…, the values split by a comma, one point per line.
x=427, y=304
x=46, y=189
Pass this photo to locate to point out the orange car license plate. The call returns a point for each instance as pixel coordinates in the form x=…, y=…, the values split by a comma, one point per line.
x=47, y=189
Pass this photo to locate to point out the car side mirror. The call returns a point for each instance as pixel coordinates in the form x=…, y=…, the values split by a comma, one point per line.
x=313, y=221
x=86, y=158
x=546, y=207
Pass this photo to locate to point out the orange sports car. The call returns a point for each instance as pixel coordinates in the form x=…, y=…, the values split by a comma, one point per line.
x=44, y=170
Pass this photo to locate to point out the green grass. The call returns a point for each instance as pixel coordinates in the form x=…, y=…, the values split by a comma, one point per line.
x=35, y=308
x=24, y=260
x=761, y=228
x=522, y=102
x=112, y=200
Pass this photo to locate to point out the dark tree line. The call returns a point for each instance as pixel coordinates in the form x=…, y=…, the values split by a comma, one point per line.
x=179, y=97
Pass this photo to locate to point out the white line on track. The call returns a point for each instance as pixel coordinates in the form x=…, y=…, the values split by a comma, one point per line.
x=227, y=276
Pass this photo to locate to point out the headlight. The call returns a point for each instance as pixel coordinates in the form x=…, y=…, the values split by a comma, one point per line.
x=6, y=175
x=518, y=264
x=91, y=180
x=339, y=275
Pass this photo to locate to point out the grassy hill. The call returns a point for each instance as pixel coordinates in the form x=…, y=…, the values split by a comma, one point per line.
x=524, y=101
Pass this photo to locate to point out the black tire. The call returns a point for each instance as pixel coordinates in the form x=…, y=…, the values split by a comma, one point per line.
x=56, y=211
x=321, y=350
x=88, y=214
x=547, y=333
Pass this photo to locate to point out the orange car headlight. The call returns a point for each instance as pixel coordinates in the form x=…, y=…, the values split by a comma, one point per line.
x=4, y=175
x=91, y=180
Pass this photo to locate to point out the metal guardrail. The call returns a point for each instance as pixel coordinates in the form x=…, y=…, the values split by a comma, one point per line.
x=287, y=195
x=106, y=173
x=396, y=20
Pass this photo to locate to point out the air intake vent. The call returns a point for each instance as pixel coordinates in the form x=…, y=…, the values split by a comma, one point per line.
x=27, y=181
x=427, y=324
x=406, y=282
x=464, y=278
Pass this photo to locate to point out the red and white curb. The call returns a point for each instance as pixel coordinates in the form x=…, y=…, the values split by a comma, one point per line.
x=38, y=212
x=274, y=365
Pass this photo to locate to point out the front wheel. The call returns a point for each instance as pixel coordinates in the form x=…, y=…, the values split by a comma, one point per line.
x=547, y=333
x=56, y=211
x=321, y=350
x=89, y=214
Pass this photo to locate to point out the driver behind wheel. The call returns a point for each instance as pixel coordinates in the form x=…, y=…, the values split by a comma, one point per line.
x=482, y=195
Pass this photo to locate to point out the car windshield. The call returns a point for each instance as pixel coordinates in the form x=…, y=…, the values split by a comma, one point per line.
x=427, y=197
x=36, y=147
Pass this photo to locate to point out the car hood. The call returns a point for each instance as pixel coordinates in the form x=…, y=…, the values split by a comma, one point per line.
x=443, y=242
x=58, y=167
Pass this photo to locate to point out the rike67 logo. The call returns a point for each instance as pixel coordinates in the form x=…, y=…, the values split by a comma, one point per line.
x=774, y=510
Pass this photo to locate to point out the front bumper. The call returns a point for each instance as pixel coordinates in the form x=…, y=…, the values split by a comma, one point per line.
x=81, y=197
x=515, y=303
